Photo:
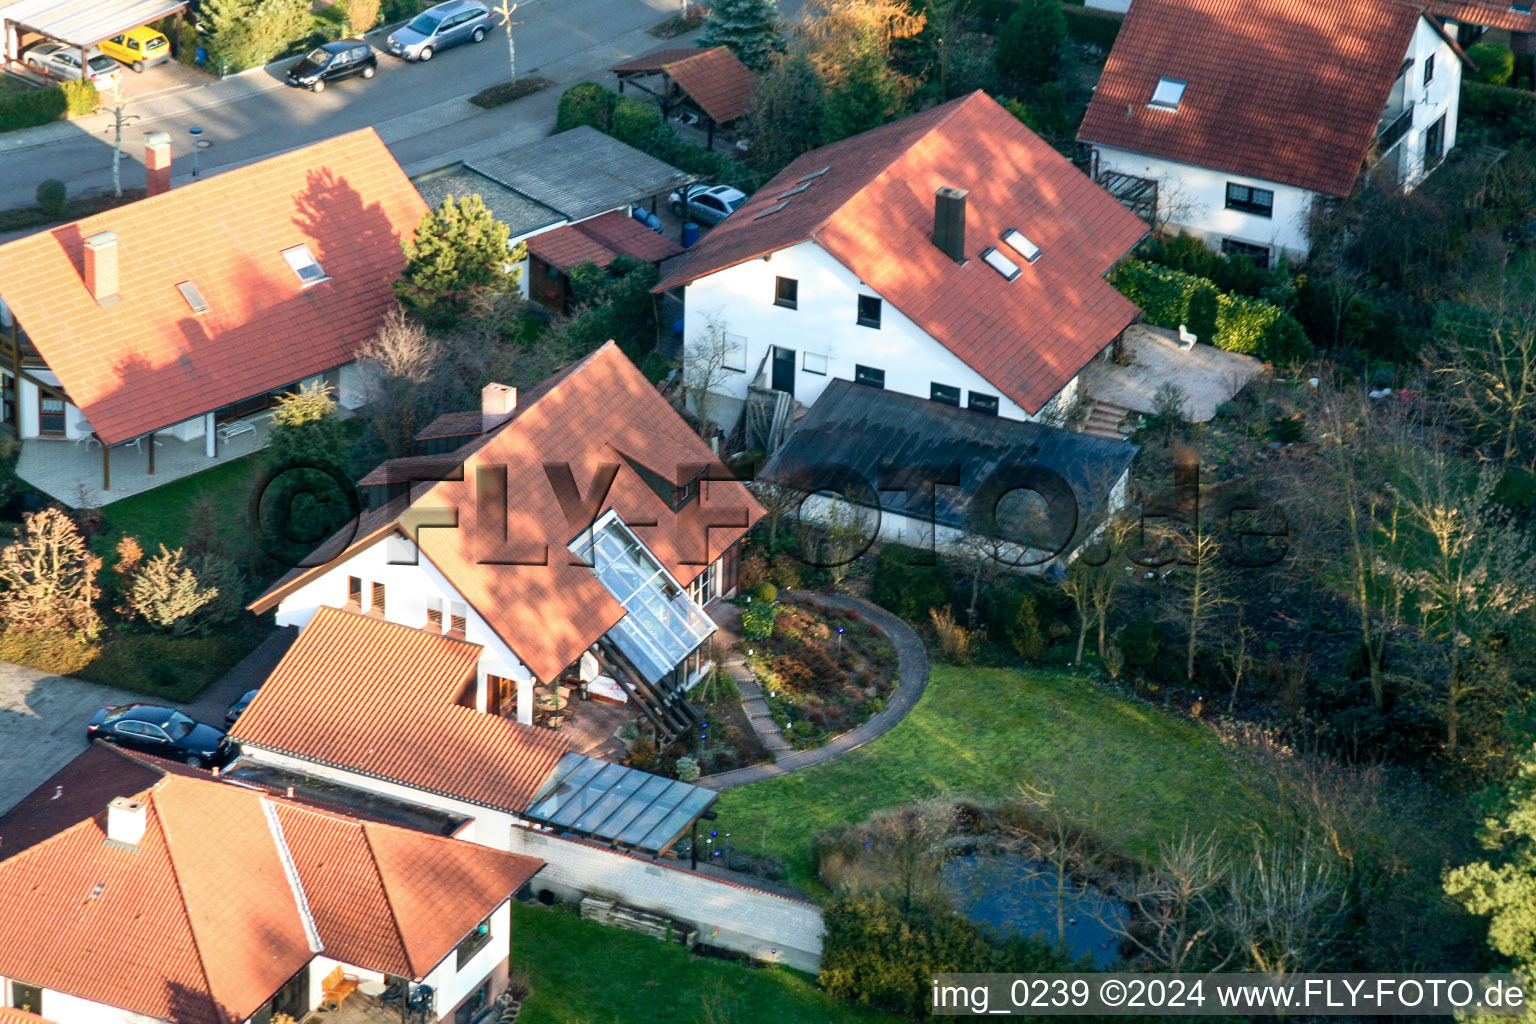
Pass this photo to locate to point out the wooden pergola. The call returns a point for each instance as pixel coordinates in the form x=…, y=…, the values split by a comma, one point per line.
x=713, y=83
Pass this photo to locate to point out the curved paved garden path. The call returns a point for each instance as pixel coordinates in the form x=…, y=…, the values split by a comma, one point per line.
x=912, y=678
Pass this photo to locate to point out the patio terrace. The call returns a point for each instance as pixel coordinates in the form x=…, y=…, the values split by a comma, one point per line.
x=1207, y=375
x=71, y=470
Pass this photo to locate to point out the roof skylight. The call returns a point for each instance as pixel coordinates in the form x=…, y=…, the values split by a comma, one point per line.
x=1000, y=263
x=814, y=174
x=304, y=264
x=1021, y=245
x=1168, y=93
x=194, y=297
x=796, y=190
x=772, y=210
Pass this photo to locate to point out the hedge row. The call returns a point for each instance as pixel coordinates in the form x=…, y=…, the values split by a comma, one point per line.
x=911, y=581
x=1251, y=326
x=641, y=125
x=28, y=108
x=1090, y=25
x=1497, y=103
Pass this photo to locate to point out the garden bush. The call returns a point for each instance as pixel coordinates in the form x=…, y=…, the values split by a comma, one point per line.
x=635, y=123
x=79, y=97
x=586, y=103
x=1251, y=326
x=52, y=197
x=1495, y=62
x=765, y=592
x=27, y=108
x=906, y=586
x=1202, y=310
x=1498, y=106
x=757, y=621
x=1090, y=25
x=1139, y=642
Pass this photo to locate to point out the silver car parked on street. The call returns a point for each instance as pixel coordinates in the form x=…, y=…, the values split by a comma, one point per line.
x=437, y=28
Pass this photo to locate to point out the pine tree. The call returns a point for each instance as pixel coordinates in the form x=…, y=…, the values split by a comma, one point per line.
x=751, y=28
x=458, y=248
x=1029, y=45
x=791, y=114
x=167, y=593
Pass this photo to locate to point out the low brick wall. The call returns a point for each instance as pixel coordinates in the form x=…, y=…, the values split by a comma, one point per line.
x=761, y=924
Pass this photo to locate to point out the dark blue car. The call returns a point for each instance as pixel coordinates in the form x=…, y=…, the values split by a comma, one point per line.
x=164, y=732
x=238, y=707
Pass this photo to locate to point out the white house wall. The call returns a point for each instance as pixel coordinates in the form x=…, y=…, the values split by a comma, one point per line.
x=1194, y=199
x=1442, y=97
x=824, y=323
x=406, y=590
x=450, y=985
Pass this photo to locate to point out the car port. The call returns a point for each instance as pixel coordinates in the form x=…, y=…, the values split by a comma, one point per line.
x=82, y=24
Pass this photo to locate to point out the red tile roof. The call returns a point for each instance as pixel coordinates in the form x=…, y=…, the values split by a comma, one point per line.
x=601, y=411
x=1492, y=13
x=148, y=361
x=715, y=79
x=200, y=924
x=10, y=1016
x=381, y=699
x=874, y=209
x=1289, y=91
x=601, y=240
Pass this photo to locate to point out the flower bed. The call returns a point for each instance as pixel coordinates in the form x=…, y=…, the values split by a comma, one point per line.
x=821, y=682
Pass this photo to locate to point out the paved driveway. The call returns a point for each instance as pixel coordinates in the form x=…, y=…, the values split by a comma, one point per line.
x=42, y=725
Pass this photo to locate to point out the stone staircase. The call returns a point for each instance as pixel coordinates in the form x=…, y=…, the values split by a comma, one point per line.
x=755, y=704
x=1108, y=420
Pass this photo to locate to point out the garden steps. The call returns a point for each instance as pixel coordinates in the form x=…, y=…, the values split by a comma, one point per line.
x=755, y=703
x=1108, y=420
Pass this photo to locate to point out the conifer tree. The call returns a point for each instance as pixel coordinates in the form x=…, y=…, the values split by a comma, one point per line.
x=751, y=28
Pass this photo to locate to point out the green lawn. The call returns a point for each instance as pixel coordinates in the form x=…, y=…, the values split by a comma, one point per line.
x=164, y=515
x=1129, y=773
x=585, y=973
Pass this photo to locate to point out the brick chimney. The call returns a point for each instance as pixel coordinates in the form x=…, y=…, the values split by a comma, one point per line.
x=125, y=821
x=497, y=404
x=949, y=222
x=101, y=267
x=157, y=163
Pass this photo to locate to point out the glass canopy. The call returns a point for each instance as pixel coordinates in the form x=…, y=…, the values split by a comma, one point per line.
x=620, y=805
x=662, y=625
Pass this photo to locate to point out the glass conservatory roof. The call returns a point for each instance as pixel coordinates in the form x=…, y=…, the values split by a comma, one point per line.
x=617, y=804
x=662, y=625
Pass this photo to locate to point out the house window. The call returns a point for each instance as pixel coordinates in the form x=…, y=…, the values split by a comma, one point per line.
x=26, y=997
x=458, y=617
x=378, y=598
x=869, y=311
x=1248, y=199
x=1429, y=70
x=1168, y=94
x=354, y=592
x=735, y=357
x=1434, y=143
x=786, y=292
x=472, y=944
x=869, y=375
x=982, y=403
x=814, y=362
x=435, y=614
x=706, y=587
x=945, y=394
x=501, y=696
x=50, y=416
x=1257, y=254
x=473, y=1005
x=304, y=264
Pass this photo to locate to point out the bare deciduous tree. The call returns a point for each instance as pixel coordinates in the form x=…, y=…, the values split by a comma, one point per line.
x=1486, y=360
x=1284, y=908
x=1176, y=906
x=48, y=578
x=705, y=362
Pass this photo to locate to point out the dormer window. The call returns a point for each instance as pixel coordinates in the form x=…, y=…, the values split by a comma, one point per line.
x=304, y=264
x=1168, y=93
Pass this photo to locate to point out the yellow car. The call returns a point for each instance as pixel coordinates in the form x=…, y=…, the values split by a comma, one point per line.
x=138, y=48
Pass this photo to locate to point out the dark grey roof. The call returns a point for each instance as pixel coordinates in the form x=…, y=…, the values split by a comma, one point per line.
x=863, y=429
x=581, y=173
x=519, y=213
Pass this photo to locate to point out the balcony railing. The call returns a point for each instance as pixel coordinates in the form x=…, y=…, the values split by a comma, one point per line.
x=1391, y=132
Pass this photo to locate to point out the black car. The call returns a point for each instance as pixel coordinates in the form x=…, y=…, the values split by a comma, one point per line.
x=162, y=731
x=238, y=707
x=333, y=62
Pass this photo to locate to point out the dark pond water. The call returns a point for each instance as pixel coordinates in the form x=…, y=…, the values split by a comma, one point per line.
x=1017, y=895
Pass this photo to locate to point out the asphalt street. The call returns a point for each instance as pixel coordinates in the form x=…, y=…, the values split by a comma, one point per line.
x=421, y=110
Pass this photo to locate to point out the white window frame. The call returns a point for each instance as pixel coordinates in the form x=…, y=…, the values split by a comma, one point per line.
x=301, y=259
x=1168, y=93
x=810, y=360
